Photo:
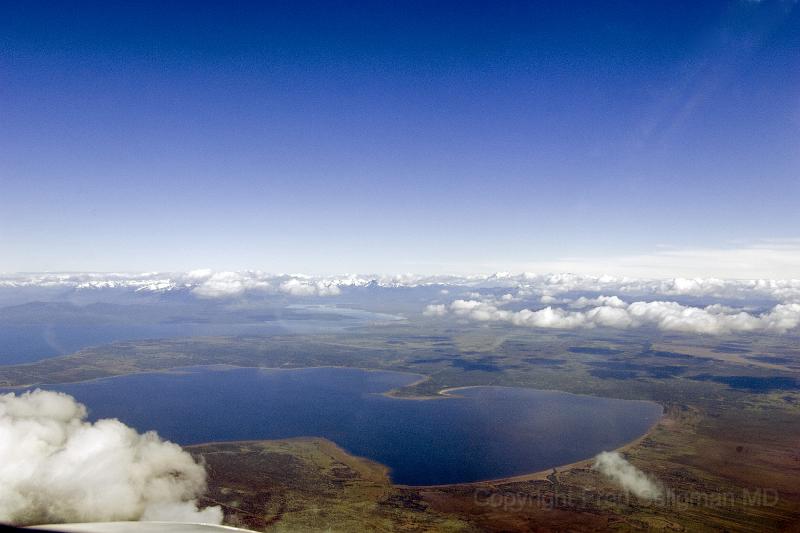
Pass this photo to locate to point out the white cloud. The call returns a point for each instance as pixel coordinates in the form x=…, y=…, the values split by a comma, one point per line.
x=56, y=467
x=298, y=287
x=225, y=284
x=615, y=313
x=604, y=302
x=435, y=310
x=608, y=301
x=231, y=284
x=546, y=287
x=613, y=466
x=549, y=317
x=200, y=273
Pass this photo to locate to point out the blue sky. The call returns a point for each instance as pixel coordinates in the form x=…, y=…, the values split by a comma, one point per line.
x=394, y=137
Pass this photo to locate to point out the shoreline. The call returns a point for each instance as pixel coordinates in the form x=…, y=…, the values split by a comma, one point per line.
x=219, y=367
x=393, y=393
x=540, y=475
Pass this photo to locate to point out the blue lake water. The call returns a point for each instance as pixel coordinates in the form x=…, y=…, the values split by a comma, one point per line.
x=27, y=343
x=482, y=433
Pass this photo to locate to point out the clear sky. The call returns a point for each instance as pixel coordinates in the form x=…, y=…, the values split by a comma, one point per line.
x=394, y=137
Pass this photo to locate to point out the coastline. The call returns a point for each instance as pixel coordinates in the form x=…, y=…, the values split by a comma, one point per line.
x=540, y=475
x=448, y=392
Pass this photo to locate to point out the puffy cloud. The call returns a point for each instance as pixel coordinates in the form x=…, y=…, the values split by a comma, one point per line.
x=607, y=301
x=602, y=304
x=615, y=313
x=224, y=284
x=230, y=284
x=299, y=287
x=209, y=284
x=549, y=317
x=57, y=467
x=613, y=466
x=435, y=310
x=610, y=316
x=200, y=273
x=714, y=319
x=478, y=310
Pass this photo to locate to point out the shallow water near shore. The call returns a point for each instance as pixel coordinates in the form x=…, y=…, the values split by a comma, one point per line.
x=468, y=435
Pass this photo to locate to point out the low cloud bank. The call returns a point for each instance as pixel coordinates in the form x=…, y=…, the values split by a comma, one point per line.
x=304, y=287
x=209, y=284
x=57, y=467
x=613, y=466
x=613, y=312
x=221, y=284
x=206, y=284
x=435, y=310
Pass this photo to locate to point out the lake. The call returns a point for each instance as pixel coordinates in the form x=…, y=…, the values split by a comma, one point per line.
x=472, y=434
x=30, y=341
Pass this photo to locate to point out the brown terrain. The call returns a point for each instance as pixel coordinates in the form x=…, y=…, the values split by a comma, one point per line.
x=718, y=474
